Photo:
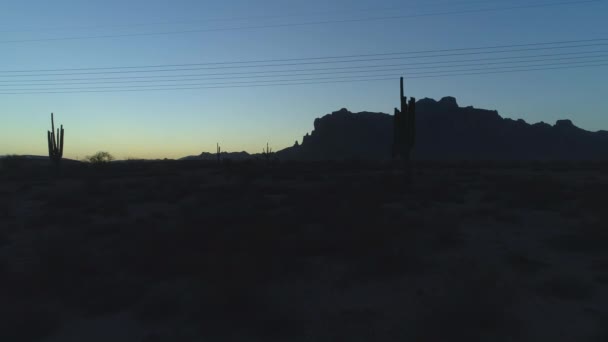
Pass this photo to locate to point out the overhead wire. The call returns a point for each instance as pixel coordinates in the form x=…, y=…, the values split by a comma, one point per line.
x=365, y=69
x=299, y=83
x=148, y=77
x=303, y=81
x=306, y=63
x=504, y=46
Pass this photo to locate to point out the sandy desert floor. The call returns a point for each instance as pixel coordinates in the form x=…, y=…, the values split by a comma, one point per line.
x=170, y=251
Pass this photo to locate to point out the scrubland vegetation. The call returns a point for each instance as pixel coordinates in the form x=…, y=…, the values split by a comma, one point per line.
x=191, y=251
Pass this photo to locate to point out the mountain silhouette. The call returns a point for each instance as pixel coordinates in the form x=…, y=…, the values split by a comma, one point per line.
x=446, y=131
x=223, y=155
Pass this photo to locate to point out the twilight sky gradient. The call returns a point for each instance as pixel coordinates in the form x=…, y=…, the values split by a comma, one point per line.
x=176, y=123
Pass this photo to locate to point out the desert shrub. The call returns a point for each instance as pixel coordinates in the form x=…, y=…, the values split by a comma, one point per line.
x=100, y=158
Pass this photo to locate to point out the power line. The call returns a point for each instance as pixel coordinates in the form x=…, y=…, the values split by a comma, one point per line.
x=343, y=21
x=341, y=77
x=315, y=69
x=289, y=82
x=509, y=71
x=309, y=63
x=562, y=42
x=302, y=83
x=323, y=73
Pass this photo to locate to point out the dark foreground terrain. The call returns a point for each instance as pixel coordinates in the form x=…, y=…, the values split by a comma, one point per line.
x=193, y=251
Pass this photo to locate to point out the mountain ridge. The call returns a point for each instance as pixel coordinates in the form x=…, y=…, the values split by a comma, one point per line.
x=446, y=131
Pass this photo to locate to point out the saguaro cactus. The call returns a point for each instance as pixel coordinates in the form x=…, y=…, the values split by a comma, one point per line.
x=55, y=142
x=218, y=152
x=405, y=129
x=267, y=152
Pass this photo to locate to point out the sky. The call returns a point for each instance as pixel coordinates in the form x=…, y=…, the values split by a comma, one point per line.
x=135, y=112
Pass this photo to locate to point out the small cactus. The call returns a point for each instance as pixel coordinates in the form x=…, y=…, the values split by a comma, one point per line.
x=55, y=142
x=218, y=153
x=267, y=153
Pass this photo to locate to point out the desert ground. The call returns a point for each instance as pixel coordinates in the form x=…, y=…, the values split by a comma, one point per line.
x=293, y=251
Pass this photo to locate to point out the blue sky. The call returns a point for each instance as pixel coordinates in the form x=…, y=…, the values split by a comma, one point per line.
x=175, y=123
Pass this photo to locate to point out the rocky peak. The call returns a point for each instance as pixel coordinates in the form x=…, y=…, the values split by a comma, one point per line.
x=564, y=124
x=448, y=102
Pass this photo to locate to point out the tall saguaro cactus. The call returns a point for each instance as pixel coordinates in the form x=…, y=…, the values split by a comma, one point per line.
x=55, y=142
x=405, y=129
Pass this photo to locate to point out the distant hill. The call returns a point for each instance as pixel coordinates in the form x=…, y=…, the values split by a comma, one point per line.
x=32, y=159
x=224, y=156
x=22, y=164
x=25, y=157
x=446, y=131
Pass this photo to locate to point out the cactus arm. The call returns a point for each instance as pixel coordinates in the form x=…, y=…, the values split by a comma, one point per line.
x=403, y=98
x=396, y=132
x=412, y=122
x=54, y=143
x=266, y=152
x=61, y=143
x=48, y=137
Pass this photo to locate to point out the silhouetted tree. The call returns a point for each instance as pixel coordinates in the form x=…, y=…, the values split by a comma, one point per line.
x=100, y=158
x=55, y=142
